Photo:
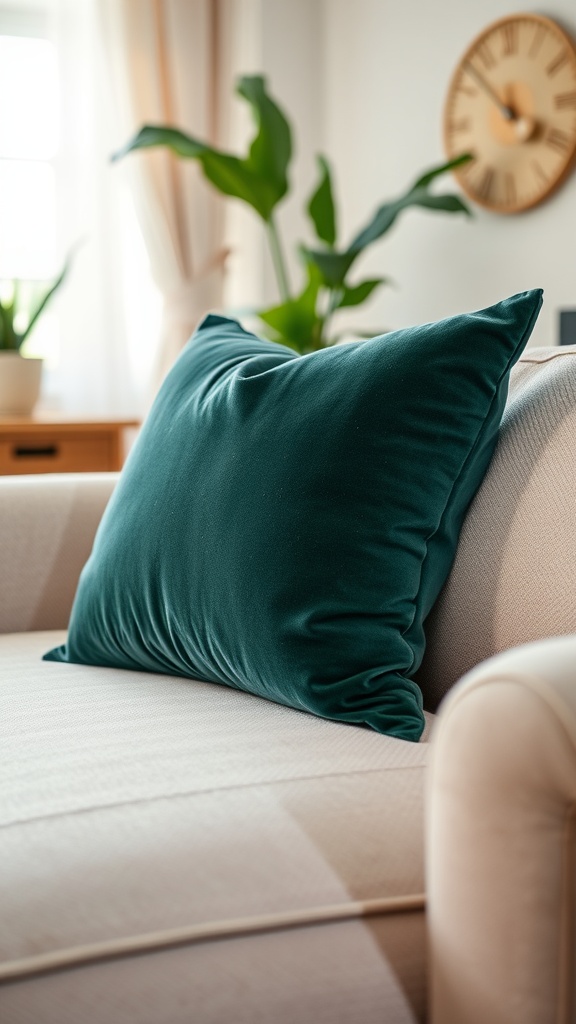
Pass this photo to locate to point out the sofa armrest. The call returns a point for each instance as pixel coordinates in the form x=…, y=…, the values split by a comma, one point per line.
x=501, y=841
x=47, y=526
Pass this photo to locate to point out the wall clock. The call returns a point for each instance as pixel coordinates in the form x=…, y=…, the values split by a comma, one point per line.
x=512, y=105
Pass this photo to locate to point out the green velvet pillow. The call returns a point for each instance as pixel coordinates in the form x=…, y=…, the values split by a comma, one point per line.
x=284, y=524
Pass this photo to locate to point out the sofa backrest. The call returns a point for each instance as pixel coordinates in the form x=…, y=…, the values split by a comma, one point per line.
x=514, y=576
x=47, y=526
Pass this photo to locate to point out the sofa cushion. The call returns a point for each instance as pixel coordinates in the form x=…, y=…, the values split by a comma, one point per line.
x=514, y=576
x=284, y=524
x=174, y=850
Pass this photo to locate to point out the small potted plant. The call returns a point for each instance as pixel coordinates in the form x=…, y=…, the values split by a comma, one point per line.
x=20, y=375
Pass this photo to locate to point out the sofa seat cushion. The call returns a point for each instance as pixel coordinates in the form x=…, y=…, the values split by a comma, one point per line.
x=239, y=847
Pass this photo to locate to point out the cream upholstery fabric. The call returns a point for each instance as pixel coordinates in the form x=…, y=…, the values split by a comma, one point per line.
x=136, y=806
x=173, y=851
x=514, y=577
x=47, y=525
x=501, y=842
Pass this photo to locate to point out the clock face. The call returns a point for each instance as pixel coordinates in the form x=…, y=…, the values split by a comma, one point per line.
x=512, y=105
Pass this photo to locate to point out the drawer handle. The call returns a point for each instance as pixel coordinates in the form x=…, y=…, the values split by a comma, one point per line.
x=48, y=451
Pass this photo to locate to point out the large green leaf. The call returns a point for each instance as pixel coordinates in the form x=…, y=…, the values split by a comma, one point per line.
x=321, y=205
x=335, y=265
x=417, y=195
x=385, y=216
x=439, y=169
x=271, y=149
x=45, y=299
x=259, y=179
x=449, y=203
x=354, y=295
x=296, y=322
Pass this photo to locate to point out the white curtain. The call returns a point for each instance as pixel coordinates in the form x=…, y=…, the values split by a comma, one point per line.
x=168, y=60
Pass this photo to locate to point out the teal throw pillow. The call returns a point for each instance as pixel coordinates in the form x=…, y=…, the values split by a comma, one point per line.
x=284, y=523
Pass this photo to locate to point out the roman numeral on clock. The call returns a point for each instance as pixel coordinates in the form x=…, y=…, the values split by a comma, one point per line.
x=542, y=177
x=484, y=187
x=467, y=89
x=461, y=125
x=557, y=139
x=537, y=41
x=510, y=187
x=558, y=62
x=486, y=56
x=565, y=100
x=510, y=38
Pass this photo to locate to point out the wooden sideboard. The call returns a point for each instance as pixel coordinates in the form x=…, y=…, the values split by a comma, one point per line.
x=44, y=444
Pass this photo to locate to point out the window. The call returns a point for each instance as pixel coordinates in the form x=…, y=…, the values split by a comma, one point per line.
x=58, y=194
x=29, y=145
x=29, y=142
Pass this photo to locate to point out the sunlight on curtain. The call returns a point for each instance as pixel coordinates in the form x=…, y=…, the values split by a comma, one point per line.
x=58, y=191
x=167, y=62
x=115, y=296
x=29, y=142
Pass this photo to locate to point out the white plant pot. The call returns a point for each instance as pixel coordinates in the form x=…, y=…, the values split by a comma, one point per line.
x=20, y=381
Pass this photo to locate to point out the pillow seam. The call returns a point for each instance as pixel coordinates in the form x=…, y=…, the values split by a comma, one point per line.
x=481, y=431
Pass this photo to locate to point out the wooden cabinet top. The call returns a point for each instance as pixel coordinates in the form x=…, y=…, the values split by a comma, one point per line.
x=40, y=424
x=57, y=444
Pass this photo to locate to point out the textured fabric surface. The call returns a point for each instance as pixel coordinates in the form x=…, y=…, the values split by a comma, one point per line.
x=133, y=803
x=47, y=527
x=514, y=576
x=501, y=840
x=284, y=524
x=333, y=975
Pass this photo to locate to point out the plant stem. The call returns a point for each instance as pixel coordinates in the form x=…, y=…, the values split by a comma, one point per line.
x=333, y=300
x=278, y=260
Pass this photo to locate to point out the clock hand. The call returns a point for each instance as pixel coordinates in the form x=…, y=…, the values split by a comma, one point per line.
x=506, y=112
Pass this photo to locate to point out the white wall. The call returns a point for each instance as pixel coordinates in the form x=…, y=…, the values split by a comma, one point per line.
x=387, y=64
x=284, y=40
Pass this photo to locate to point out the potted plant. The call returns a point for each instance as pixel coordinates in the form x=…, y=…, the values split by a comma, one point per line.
x=303, y=318
x=20, y=375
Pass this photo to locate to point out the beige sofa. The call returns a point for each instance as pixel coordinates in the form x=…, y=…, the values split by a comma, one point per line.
x=175, y=851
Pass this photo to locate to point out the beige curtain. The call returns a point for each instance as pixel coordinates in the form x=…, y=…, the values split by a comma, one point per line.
x=169, y=64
